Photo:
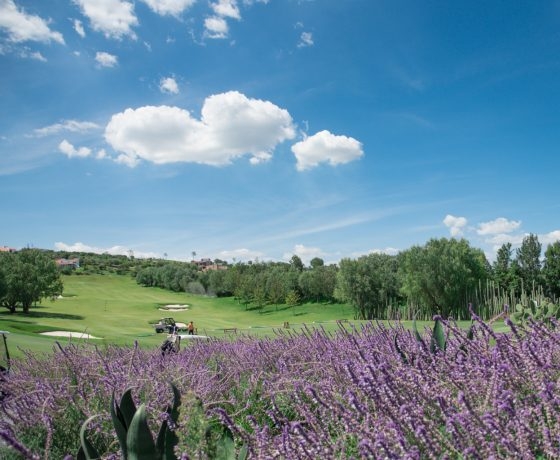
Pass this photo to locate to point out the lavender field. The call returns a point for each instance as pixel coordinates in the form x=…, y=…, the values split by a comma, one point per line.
x=377, y=392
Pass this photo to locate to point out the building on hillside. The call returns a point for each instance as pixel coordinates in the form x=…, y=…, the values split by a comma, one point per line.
x=68, y=263
x=7, y=249
x=207, y=264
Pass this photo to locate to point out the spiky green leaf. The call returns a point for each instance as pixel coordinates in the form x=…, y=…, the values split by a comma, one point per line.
x=120, y=426
x=438, y=341
x=139, y=440
x=87, y=450
x=127, y=407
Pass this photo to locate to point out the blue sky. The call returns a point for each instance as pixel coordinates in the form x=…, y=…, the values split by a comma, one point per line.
x=259, y=129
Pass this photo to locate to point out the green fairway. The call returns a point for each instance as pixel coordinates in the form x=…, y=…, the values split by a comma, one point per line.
x=119, y=311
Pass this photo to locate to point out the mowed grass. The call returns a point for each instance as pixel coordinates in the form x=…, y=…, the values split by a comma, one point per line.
x=119, y=311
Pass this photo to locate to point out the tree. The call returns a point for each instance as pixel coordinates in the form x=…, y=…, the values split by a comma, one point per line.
x=296, y=263
x=368, y=283
x=551, y=270
x=443, y=275
x=505, y=270
x=276, y=285
x=29, y=276
x=316, y=262
x=529, y=261
x=318, y=284
x=292, y=299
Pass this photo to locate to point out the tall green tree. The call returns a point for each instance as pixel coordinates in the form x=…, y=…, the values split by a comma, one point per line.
x=316, y=262
x=442, y=276
x=29, y=275
x=296, y=263
x=529, y=261
x=369, y=283
x=502, y=266
x=551, y=270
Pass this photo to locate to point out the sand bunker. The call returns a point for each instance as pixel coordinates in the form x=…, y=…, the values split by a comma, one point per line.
x=74, y=335
x=174, y=308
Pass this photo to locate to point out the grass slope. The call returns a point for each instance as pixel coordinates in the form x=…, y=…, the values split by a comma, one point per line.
x=120, y=311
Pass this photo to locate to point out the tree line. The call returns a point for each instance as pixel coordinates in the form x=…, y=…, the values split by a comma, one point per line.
x=441, y=277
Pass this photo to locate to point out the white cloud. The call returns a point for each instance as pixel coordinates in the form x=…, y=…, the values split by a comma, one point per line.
x=305, y=253
x=169, y=7
x=549, y=238
x=306, y=39
x=79, y=28
x=25, y=53
x=101, y=154
x=216, y=27
x=114, y=250
x=242, y=254
x=22, y=27
x=499, y=225
x=74, y=126
x=105, y=59
x=231, y=126
x=71, y=152
x=113, y=18
x=168, y=85
x=455, y=224
x=226, y=8
x=325, y=147
x=389, y=251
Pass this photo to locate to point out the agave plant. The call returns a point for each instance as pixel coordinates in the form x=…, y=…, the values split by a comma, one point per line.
x=134, y=435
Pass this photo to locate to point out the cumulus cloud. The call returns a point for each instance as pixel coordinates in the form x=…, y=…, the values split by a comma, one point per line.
x=169, y=7
x=79, y=28
x=105, y=59
x=550, y=238
x=113, y=18
x=325, y=147
x=216, y=27
x=21, y=27
x=74, y=126
x=226, y=8
x=242, y=254
x=305, y=253
x=306, y=39
x=25, y=53
x=455, y=224
x=231, y=126
x=168, y=85
x=499, y=225
x=72, y=152
x=113, y=250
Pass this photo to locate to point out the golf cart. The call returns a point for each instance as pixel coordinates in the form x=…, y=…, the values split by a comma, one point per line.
x=169, y=325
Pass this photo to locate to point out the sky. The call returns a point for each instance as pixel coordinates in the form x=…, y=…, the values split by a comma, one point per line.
x=259, y=129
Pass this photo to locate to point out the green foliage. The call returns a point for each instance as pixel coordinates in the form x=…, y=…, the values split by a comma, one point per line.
x=443, y=275
x=369, y=283
x=134, y=435
x=528, y=260
x=551, y=270
x=26, y=277
x=438, y=340
x=205, y=437
x=543, y=312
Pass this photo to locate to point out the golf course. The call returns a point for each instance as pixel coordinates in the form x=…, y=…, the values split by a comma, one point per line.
x=118, y=311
